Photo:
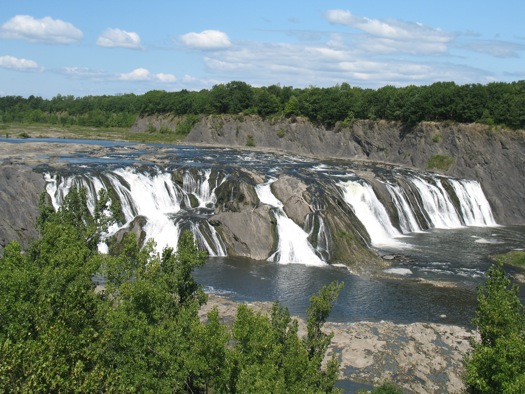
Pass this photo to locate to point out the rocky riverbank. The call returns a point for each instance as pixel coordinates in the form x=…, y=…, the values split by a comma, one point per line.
x=419, y=357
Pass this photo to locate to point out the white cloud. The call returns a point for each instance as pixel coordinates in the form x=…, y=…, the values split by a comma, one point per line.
x=143, y=74
x=165, y=78
x=14, y=63
x=207, y=39
x=139, y=74
x=300, y=65
x=112, y=38
x=47, y=30
x=188, y=78
x=82, y=72
x=500, y=49
x=393, y=35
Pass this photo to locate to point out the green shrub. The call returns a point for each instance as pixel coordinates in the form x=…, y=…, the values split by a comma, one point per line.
x=514, y=257
x=440, y=162
x=184, y=127
x=165, y=130
x=151, y=128
x=387, y=388
x=497, y=362
x=250, y=141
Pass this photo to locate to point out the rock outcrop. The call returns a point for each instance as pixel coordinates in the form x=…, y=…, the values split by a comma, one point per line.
x=419, y=357
x=20, y=189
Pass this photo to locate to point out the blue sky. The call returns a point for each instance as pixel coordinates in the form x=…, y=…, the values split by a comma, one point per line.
x=50, y=47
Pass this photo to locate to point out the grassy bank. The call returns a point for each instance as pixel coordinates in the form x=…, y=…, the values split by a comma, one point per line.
x=515, y=258
x=25, y=130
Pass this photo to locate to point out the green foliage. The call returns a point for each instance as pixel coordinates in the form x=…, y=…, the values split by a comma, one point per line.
x=496, y=103
x=281, y=132
x=269, y=357
x=497, y=361
x=185, y=126
x=142, y=332
x=440, y=162
x=151, y=128
x=387, y=388
x=514, y=257
x=250, y=141
x=384, y=388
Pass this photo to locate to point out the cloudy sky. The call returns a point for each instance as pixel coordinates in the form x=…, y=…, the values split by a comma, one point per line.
x=50, y=47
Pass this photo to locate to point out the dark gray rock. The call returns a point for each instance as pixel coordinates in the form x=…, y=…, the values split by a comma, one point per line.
x=248, y=233
x=20, y=190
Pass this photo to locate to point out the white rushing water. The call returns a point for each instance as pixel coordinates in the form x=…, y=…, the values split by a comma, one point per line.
x=293, y=246
x=156, y=197
x=371, y=213
x=475, y=208
x=407, y=219
x=437, y=204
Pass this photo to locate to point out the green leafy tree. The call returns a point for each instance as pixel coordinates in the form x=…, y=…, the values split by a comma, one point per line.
x=497, y=361
x=268, y=356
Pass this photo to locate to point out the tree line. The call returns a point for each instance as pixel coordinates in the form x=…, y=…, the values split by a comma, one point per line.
x=496, y=103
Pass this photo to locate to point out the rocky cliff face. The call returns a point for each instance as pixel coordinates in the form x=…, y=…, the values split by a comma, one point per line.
x=20, y=189
x=495, y=158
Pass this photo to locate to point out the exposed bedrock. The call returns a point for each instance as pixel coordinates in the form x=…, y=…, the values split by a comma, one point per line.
x=20, y=189
x=248, y=228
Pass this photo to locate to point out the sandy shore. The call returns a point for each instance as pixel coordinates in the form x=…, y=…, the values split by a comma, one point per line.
x=420, y=357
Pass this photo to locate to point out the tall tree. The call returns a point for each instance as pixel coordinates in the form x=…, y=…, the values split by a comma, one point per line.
x=497, y=361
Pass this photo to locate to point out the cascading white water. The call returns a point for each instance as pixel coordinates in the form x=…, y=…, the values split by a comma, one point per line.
x=200, y=188
x=437, y=204
x=370, y=212
x=475, y=208
x=216, y=247
x=293, y=246
x=407, y=220
x=154, y=196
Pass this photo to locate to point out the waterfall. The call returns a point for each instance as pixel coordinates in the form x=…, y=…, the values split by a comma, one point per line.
x=293, y=246
x=371, y=213
x=156, y=197
x=407, y=219
x=438, y=206
x=430, y=199
x=200, y=188
x=475, y=208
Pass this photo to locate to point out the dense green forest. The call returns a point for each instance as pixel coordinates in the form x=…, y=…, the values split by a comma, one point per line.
x=496, y=103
